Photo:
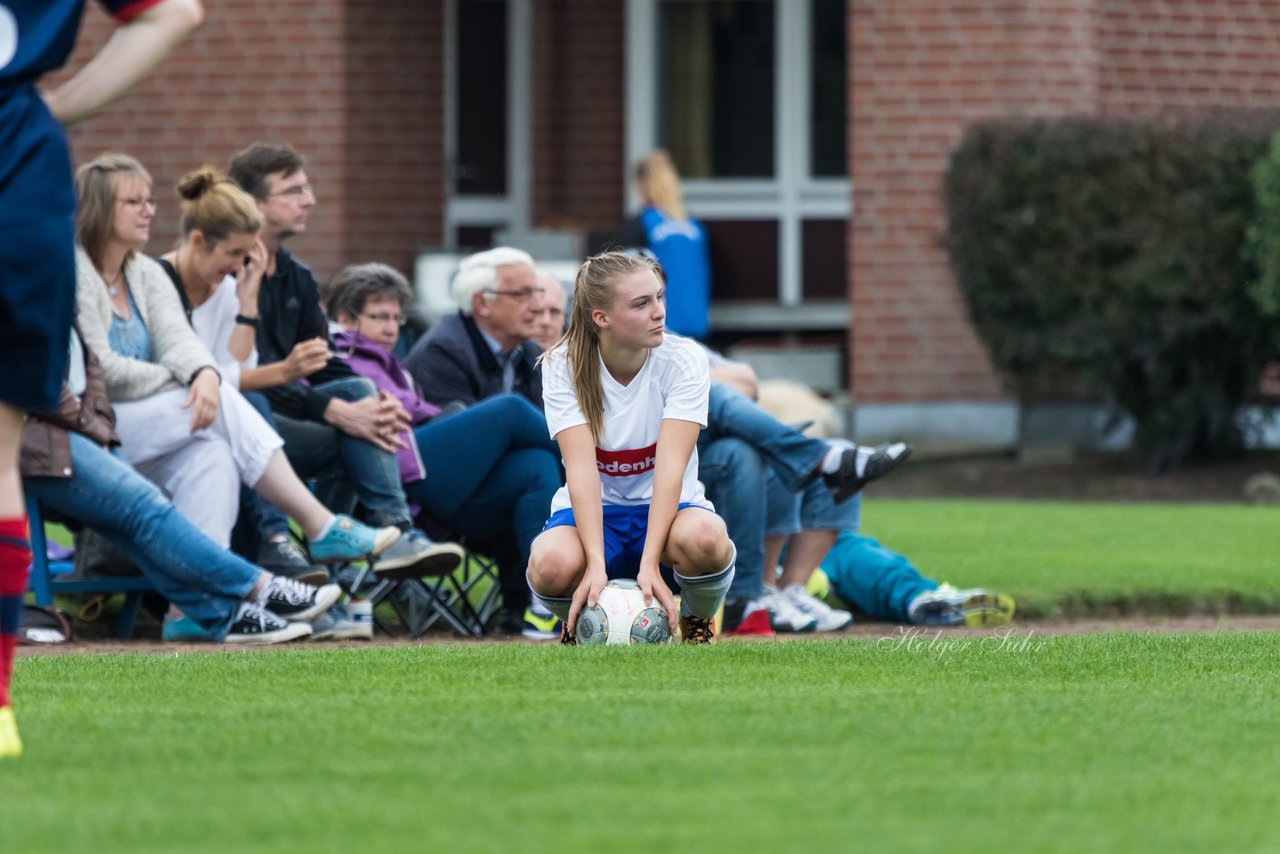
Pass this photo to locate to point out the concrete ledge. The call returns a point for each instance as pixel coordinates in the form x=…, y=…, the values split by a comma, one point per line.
x=955, y=423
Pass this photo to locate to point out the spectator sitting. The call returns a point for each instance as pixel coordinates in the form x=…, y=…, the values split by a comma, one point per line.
x=484, y=349
x=215, y=595
x=487, y=472
x=336, y=427
x=180, y=426
x=549, y=323
x=217, y=269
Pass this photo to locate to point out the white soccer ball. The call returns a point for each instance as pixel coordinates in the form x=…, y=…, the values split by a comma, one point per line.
x=621, y=617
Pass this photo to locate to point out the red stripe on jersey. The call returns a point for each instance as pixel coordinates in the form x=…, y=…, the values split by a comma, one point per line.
x=626, y=463
x=126, y=13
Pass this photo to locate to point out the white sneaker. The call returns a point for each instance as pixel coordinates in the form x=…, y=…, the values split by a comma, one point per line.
x=827, y=619
x=785, y=616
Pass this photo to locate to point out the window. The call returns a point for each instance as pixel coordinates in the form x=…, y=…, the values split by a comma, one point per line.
x=749, y=96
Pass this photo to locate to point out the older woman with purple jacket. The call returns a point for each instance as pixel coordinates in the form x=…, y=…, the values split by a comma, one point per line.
x=487, y=472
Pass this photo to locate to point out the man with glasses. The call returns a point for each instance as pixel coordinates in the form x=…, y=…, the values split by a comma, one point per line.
x=486, y=348
x=337, y=428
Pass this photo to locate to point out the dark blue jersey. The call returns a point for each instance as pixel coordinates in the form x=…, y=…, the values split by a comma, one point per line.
x=36, y=36
x=680, y=246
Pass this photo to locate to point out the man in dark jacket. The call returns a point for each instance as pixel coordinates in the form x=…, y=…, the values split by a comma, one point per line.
x=336, y=427
x=484, y=349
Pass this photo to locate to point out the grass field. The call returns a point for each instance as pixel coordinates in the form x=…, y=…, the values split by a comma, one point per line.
x=1111, y=742
x=1086, y=559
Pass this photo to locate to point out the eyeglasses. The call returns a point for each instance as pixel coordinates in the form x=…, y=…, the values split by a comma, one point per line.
x=138, y=202
x=397, y=319
x=522, y=295
x=296, y=190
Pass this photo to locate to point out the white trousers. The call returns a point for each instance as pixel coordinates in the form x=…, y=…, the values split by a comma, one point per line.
x=202, y=472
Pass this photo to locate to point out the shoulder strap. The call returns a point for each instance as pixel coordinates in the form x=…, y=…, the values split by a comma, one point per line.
x=177, y=283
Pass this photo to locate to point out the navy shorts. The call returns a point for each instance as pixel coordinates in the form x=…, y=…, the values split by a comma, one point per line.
x=625, y=528
x=37, y=251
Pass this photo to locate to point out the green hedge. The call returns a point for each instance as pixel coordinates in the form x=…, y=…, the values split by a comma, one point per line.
x=1124, y=253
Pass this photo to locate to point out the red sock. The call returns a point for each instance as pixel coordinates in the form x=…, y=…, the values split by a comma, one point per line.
x=15, y=561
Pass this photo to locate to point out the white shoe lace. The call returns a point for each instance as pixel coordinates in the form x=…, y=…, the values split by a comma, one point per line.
x=785, y=614
x=255, y=614
x=808, y=604
x=291, y=590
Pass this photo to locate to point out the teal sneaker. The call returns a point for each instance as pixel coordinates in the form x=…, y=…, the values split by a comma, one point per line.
x=184, y=630
x=348, y=540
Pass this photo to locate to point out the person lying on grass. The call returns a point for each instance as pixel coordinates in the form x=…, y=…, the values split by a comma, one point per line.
x=626, y=401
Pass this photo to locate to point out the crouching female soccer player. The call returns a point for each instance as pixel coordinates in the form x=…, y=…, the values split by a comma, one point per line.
x=625, y=402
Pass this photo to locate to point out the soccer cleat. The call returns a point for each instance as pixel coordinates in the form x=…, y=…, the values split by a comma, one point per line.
x=297, y=602
x=975, y=607
x=10, y=743
x=754, y=625
x=256, y=625
x=334, y=624
x=416, y=555
x=859, y=465
x=348, y=540
x=539, y=628
x=285, y=557
x=184, y=630
x=826, y=618
x=567, y=639
x=694, y=629
x=785, y=616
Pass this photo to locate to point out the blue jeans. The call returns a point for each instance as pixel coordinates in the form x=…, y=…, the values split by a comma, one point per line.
x=491, y=473
x=811, y=509
x=346, y=469
x=790, y=454
x=733, y=475
x=259, y=520
x=876, y=580
x=205, y=582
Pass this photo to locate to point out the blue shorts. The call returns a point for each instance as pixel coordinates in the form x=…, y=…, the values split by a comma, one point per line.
x=625, y=528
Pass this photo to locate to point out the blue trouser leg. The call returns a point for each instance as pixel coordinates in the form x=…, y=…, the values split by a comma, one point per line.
x=811, y=509
x=346, y=464
x=205, y=582
x=876, y=580
x=788, y=452
x=267, y=520
x=491, y=474
x=734, y=478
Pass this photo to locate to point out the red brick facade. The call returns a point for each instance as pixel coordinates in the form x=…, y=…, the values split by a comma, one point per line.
x=920, y=71
x=359, y=88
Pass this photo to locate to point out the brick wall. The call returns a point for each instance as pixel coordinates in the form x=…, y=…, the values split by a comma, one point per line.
x=319, y=75
x=578, y=113
x=920, y=71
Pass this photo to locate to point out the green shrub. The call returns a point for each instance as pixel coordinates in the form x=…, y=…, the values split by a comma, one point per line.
x=1115, y=252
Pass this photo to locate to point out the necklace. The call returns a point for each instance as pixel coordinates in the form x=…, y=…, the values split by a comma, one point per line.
x=113, y=285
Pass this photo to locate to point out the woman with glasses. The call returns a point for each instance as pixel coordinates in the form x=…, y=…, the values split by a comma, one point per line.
x=180, y=425
x=487, y=472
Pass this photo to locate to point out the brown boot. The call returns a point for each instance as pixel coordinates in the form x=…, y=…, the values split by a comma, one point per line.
x=697, y=629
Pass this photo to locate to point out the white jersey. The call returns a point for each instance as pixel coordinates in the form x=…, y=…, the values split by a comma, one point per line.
x=674, y=383
x=214, y=320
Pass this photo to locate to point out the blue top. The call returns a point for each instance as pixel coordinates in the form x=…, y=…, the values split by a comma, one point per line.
x=681, y=249
x=130, y=337
x=36, y=36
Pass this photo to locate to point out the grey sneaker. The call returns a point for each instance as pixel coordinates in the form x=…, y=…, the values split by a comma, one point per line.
x=256, y=625
x=415, y=555
x=334, y=624
x=285, y=557
x=294, y=601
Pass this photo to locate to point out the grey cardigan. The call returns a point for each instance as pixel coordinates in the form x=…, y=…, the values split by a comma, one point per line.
x=177, y=350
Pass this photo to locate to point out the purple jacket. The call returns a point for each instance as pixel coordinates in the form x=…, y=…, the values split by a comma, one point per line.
x=375, y=362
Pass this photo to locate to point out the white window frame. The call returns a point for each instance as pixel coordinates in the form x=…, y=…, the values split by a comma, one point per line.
x=510, y=211
x=791, y=196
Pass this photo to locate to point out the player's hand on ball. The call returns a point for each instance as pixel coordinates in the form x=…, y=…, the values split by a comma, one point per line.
x=653, y=587
x=587, y=594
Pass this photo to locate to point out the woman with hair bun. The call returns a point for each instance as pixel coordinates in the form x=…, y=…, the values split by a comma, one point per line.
x=179, y=424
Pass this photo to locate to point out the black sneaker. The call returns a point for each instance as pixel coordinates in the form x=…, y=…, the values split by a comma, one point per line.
x=256, y=624
x=297, y=602
x=510, y=623
x=285, y=557
x=696, y=629
x=859, y=465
